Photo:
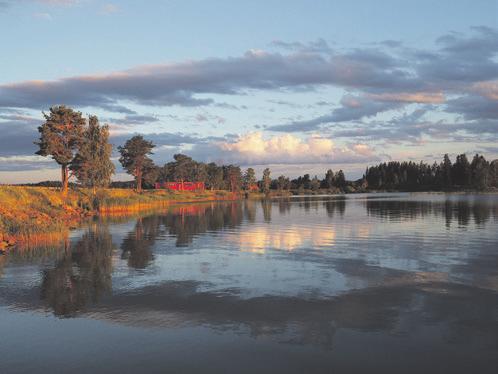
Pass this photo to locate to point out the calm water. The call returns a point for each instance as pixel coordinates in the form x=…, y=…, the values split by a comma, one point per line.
x=391, y=283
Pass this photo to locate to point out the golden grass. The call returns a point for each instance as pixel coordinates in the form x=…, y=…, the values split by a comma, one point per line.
x=27, y=213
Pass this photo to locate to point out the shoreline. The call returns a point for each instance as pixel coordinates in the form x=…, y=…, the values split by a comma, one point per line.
x=40, y=214
x=36, y=214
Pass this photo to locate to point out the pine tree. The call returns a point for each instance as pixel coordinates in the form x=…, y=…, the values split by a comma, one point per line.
x=461, y=173
x=134, y=158
x=340, y=179
x=329, y=179
x=60, y=137
x=446, y=171
x=480, y=172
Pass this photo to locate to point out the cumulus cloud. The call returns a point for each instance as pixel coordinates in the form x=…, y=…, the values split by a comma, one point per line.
x=254, y=149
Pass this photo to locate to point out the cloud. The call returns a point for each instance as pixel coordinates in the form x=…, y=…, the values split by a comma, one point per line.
x=410, y=97
x=474, y=107
x=461, y=59
x=353, y=108
x=18, y=132
x=458, y=79
x=460, y=65
x=317, y=46
x=253, y=149
x=133, y=119
x=180, y=83
x=14, y=163
x=487, y=89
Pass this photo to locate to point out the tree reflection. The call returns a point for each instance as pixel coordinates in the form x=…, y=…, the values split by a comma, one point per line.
x=137, y=246
x=250, y=210
x=284, y=206
x=184, y=223
x=463, y=211
x=82, y=275
x=333, y=206
x=266, y=205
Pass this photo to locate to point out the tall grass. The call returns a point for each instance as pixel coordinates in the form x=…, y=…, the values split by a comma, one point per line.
x=30, y=212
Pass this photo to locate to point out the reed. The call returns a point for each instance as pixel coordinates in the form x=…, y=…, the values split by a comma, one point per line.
x=28, y=213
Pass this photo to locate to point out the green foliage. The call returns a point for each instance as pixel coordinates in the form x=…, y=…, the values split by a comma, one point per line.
x=183, y=168
x=249, y=178
x=233, y=177
x=92, y=164
x=329, y=179
x=410, y=176
x=480, y=172
x=214, y=176
x=340, y=179
x=266, y=181
x=283, y=183
x=461, y=172
x=315, y=183
x=60, y=136
x=134, y=158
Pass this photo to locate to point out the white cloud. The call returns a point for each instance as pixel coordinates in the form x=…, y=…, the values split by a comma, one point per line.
x=253, y=149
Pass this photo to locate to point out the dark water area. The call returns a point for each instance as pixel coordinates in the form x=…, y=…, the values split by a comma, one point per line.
x=387, y=283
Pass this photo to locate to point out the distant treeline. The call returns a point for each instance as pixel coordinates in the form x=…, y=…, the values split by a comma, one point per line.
x=82, y=150
x=410, y=176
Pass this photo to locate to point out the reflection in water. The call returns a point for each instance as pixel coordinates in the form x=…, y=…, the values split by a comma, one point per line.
x=266, y=204
x=262, y=238
x=333, y=206
x=82, y=275
x=462, y=210
x=208, y=218
x=137, y=246
x=403, y=283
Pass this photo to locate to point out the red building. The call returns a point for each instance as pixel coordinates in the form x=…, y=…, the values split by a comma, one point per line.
x=180, y=186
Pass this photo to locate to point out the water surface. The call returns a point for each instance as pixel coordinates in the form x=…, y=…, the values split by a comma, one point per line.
x=381, y=283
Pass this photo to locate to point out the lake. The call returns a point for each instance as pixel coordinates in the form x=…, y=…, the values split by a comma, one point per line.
x=390, y=283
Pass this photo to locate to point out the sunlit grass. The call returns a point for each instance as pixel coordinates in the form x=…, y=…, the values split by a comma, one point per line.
x=29, y=212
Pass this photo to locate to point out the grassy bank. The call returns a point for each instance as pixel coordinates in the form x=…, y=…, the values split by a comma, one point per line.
x=33, y=213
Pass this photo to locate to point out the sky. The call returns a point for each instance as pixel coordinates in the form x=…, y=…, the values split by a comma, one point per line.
x=298, y=86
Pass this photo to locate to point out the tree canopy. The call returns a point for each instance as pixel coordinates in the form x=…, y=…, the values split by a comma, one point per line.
x=92, y=164
x=135, y=158
x=60, y=137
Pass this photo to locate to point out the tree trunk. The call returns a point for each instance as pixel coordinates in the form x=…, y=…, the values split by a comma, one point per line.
x=65, y=178
x=139, y=182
